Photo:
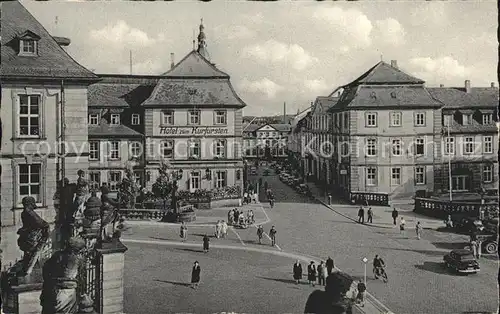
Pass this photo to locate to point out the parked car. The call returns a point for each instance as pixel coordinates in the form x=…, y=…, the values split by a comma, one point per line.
x=466, y=225
x=267, y=172
x=253, y=170
x=303, y=189
x=461, y=261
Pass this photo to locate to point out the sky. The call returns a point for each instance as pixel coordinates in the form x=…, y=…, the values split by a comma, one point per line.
x=285, y=51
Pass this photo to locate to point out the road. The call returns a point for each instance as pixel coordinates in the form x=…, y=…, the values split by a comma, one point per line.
x=418, y=283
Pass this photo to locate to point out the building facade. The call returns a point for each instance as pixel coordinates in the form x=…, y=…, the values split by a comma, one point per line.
x=267, y=141
x=43, y=89
x=296, y=140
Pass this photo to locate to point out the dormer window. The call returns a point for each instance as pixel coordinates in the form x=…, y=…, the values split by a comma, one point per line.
x=28, y=44
x=93, y=119
x=467, y=119
x=115, y=119
x=487, y=118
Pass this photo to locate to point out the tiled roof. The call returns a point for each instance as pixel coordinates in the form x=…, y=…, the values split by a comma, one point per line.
x=51, y=62
x=453, y=97
x=195, y=65
x=103, y=130
x=250, y=127
x=118, y=95
x=195, y=92
x=325, y=102
x=383, y=73
x=281, y=127
x=472, y=128
x=386, y=96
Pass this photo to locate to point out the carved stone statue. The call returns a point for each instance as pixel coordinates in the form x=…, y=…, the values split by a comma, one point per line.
x=33, y=235
x=109, y=215
x=60, y=272
x=82, y=193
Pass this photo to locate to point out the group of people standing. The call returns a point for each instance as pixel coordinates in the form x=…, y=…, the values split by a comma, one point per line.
x=272, y=234
x=361, y=215
x=236, y=217
x=250, y=195
x=320, y=272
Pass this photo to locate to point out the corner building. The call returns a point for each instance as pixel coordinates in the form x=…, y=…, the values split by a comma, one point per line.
x=193, y=119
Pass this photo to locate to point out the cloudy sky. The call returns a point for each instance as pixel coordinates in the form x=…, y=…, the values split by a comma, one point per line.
x=287, y=51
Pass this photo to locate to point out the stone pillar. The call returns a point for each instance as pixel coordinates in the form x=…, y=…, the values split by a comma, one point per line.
x=110, y=266
x=22, y=294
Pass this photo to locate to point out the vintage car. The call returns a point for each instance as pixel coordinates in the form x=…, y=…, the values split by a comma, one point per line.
x=253, y=170
x=267, y=172
x=303, y=189
x=461, y=261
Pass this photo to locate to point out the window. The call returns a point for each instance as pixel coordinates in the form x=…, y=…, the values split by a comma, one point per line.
x=419, y=175
x=420, y=119
x=488, y=144
x=135, y=149
x=28, y=47
x=115, y=178
x=450, y=146
x=94, y=180
x=467, y=119
x=447, y=119
x=420, y=146
x=135, y=119
x=396, y=147
x=487, y=118
x=114, y=150
x=220, y=149
x=167, y=149
x=194, y=149
x=469, y=145
x=195, y=180
x=167, y=117
x=94, y=153
x=94, y=119
x=487, y=173
x=220, y=117
x=395, y=176
x=194, y=117
x=346, y=120
x=115, y=119
x=459, y=183
x=395, y=119
x=371, y=147
x=371, y=176
x=220, y=179
x=30, y=181
x=29, y=115
x=371, y=119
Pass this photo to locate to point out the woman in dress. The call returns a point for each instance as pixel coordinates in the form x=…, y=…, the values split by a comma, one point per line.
x=297, y=272
x=195, y=275
x=206, y=243
x=311, y=273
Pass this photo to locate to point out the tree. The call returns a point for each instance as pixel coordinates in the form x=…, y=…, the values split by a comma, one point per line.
x=165, y=186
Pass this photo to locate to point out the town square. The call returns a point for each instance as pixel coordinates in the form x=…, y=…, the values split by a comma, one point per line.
x=242, y=157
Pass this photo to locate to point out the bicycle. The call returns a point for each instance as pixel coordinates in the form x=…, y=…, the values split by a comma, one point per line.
x=380, y=272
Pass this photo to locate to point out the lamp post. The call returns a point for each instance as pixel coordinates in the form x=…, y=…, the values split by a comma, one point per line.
x=365, y=260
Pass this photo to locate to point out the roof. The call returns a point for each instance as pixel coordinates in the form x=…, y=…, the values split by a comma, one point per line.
x=194, y=92
x=472, y=128
x=386, y=97
x=324, y=103
x=383, y=73
x=300, y=116
x=112, y=130
x=195, y=65
x=282, y=127
x=251, y=127
x=52, y=61
x=118, y=95
x=453, y=97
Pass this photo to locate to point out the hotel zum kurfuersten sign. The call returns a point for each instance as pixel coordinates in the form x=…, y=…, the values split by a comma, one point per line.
x=195, y=130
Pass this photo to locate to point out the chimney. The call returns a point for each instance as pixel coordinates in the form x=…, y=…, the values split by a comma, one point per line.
x=441, y=85
x=172, y=60
x=492, y=84
x=467, y=86
x=394, y=64
x=284, y=112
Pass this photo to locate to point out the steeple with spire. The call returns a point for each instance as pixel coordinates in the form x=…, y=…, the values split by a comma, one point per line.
x=202, y=45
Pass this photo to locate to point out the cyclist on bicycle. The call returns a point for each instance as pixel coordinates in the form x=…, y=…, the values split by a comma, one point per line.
x=378, y=268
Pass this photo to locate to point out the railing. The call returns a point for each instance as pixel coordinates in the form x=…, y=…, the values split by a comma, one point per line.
x=87, y=276
x=372, y=198
x=441, y=209
x=150, y=214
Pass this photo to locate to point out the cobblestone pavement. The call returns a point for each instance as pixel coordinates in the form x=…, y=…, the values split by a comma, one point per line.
x=418, y=283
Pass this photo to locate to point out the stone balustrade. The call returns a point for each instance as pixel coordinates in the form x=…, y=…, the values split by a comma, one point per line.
x=150, y=214
x=441, y=209
x=373, y=198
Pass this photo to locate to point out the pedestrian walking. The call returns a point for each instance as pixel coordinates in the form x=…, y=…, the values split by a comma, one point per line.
x=272, y=235
x=311, y=273
x=271, y=202
x=329, y=265
x=230, y=217
x=195, y=275
x=322, y=274
x=218, y=227
x=479, y=244
x=395, y=215
x=260, y=233
x=402, y=224
x=245, y=197
x=361, y=215
x=418, y=229
x=256, y=196
x=370, y=215
x=361, y=294
x=183, y=232
x=224, y=229
x=206, y=243
x=236, y=216
x=297, y=272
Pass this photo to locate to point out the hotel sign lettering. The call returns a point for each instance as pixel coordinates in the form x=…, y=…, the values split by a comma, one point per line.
x=195, y=130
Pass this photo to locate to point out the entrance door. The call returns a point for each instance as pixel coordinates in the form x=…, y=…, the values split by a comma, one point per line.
x=460, y=183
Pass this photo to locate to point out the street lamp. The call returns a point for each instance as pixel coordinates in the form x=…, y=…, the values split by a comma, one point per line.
x=365, y=260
